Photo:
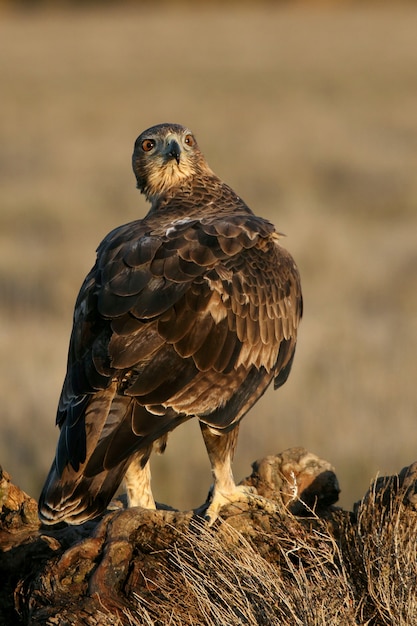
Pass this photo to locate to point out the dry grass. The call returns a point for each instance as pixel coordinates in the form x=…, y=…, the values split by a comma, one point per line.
x=297, y=573
x=310, y=116
x=385, y=542
x=237, y=586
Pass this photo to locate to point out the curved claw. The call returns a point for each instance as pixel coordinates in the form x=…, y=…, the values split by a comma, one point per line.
x=241, y=494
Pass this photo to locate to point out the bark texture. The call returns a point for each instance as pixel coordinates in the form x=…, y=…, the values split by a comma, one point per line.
x=136, y=566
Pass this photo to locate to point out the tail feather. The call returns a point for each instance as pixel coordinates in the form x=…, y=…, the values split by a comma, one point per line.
x=74, y=498
x=69, y=495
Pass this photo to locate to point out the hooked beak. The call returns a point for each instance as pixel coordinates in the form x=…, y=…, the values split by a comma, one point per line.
x=173, y=151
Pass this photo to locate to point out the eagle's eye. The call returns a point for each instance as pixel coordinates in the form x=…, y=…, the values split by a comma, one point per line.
x=147, y=145
x=189, y=140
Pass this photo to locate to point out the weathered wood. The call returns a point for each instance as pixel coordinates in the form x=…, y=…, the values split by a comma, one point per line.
x=139, y=566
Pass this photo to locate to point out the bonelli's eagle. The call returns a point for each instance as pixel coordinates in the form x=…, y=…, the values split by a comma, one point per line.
x=189, y=312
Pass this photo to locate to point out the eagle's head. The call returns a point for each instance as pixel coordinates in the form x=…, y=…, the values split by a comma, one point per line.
x=164, y=156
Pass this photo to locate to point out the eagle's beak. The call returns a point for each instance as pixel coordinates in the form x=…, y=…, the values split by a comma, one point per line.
x=174, y=151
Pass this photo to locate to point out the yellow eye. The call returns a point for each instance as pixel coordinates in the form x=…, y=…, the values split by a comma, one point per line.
x=189, y=140
x=147, y=145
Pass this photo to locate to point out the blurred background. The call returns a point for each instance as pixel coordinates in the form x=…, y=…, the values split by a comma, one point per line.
x=309, y=111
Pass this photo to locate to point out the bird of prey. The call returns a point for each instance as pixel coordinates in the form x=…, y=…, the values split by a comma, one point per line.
x=191, y=311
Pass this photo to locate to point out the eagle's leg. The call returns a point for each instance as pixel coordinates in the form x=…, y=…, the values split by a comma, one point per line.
x=220, y=448
x=138, y=483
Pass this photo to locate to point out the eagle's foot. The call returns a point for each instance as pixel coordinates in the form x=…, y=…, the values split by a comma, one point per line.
x=241, y=495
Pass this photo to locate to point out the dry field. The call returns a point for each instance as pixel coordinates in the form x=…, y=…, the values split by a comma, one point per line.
x=311, y=116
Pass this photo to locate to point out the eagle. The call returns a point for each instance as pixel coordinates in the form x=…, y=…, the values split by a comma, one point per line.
x=190, y=312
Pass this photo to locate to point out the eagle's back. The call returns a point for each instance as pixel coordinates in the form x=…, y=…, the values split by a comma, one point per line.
x=192, y=311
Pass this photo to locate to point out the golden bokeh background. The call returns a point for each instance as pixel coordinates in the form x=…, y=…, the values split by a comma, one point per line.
x=310, y=114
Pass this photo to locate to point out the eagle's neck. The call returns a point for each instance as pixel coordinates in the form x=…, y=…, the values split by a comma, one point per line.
x=206, y=197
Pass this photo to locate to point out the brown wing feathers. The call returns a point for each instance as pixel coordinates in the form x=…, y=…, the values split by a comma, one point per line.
x=163, y=331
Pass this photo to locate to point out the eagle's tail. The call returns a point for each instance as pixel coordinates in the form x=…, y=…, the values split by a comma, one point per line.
x=76, y=498
x=71, y=493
